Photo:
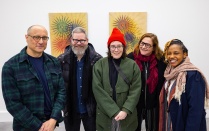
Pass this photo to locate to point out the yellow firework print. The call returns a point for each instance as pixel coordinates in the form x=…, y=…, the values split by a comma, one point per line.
x=61, y=26
x=132, y=24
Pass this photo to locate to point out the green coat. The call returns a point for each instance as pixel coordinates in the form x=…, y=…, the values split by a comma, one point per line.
x=126, y=97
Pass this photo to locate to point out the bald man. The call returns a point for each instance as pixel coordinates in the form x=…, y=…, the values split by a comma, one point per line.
x=32, y=85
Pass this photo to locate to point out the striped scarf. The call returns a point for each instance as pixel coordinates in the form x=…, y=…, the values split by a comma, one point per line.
x=179, y=73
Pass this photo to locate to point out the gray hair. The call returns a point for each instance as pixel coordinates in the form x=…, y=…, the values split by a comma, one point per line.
x=79, y=30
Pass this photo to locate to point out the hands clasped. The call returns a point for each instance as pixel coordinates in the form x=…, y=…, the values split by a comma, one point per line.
x=121, y=115
x=48, y=125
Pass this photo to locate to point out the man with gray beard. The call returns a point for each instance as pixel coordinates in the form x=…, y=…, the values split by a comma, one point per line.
x=77, y=62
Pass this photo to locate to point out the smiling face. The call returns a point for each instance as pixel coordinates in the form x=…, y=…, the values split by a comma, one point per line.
x=175, y=55
x=79, y=43
x=116, y=49
x=146, y=46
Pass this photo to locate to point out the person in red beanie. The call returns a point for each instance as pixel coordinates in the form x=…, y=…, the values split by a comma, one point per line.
x=149, y=58
x=116, y=86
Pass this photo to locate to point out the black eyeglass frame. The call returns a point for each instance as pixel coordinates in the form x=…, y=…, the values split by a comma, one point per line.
x=82, y=41
x=147, y=45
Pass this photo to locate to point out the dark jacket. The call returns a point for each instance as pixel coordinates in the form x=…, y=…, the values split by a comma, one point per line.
x=64, y=59
x=189, y=115
x=23, y=92
x=151, y=99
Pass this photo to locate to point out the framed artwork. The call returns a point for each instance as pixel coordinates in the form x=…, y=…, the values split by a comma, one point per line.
x=132, y=24
x=61, y=26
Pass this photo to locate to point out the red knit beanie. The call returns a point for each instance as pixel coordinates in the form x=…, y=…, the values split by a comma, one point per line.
x=116, y=36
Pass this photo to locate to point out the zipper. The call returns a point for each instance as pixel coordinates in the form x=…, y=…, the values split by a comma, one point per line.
x=145, y=90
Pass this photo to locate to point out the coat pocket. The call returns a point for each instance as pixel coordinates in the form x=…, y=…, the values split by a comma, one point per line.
x=102, y=120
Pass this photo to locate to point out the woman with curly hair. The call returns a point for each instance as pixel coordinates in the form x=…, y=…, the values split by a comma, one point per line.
x=183, y=94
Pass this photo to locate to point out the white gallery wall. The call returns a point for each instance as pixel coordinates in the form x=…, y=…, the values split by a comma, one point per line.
x=183, y=19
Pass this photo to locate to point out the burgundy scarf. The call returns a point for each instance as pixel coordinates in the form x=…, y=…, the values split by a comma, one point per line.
x=153, y=76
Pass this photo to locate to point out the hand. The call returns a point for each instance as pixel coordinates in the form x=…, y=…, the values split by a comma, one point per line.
x=121, y=115
x=48, y=125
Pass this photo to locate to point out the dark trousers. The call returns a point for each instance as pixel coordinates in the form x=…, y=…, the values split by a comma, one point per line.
x=151, y=117
x=89, y=123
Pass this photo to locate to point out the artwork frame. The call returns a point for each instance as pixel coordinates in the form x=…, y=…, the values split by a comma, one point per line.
x=132, y=24
x=61, y=26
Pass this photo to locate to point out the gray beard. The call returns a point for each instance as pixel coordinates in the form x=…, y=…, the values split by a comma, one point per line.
x=79, y=52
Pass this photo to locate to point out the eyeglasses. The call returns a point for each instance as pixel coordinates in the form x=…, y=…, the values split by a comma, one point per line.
x=81, y=41
x=147, y=45
x=37, y=38
x=112, y=47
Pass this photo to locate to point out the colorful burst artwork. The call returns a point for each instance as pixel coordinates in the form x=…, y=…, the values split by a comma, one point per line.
x=61, y=26
x=132, y=24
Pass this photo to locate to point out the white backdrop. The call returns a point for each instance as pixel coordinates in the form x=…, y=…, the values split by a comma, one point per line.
x=183, y=19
